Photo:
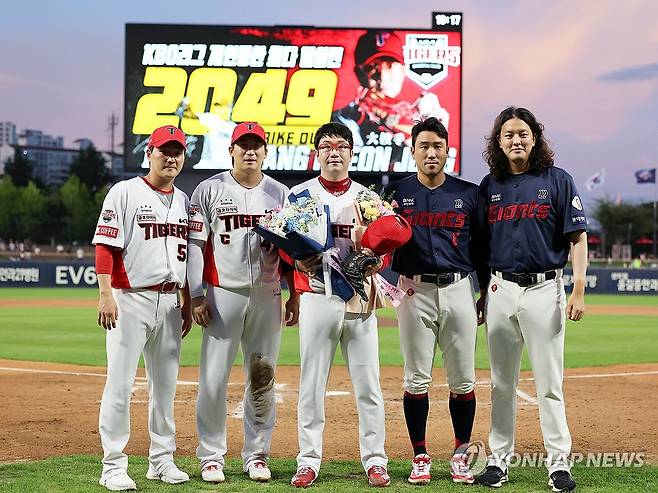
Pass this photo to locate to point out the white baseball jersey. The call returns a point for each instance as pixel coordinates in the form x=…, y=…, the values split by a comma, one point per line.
x=147, y=225
x=223, y=214
x=343, y=219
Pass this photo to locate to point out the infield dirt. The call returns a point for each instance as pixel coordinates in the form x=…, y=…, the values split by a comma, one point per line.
x=52, y=409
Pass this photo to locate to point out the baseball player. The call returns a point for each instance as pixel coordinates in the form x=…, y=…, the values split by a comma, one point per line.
x=326, y=322
x=242, y=305
x=439, y=307
x=141, y=253
x=534, y=218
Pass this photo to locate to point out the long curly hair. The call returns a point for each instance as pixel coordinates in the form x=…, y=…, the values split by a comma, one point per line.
x=541, y=156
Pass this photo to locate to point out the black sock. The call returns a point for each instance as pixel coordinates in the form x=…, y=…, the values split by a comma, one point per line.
x=416, y=407
x=462, y=413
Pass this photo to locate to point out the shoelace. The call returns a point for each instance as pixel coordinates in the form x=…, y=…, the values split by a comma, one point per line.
x=421, y=466
x=259, y=464
x=303, y=471
x=212, y=467
x=462, y=465
x=379, y=470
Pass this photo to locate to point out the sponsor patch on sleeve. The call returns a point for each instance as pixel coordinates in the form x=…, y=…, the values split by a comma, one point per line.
x=195, y=226
x=576, y=203
x=108, y=231
x=194, y=209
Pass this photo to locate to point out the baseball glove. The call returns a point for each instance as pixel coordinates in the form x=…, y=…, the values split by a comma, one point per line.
x=354, y=268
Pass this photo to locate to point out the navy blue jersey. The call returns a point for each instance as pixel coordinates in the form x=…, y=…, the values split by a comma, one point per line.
x=529, y=218
x=441, y=220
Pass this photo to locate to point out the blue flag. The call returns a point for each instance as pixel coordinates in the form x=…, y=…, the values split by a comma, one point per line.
x=646, y=175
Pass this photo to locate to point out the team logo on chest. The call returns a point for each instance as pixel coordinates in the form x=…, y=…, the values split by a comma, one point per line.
x=146, y=218
x=459, y=203
x=408, y=202
x=542, y=193
x=230, y=209
x=496, y=197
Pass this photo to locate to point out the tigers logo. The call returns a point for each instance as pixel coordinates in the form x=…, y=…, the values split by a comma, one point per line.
x=427, y=58
x=577, y=203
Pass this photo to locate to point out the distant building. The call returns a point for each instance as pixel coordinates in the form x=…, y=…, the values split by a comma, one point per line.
x=51, y=161
x=37, y=138
x=7, y=133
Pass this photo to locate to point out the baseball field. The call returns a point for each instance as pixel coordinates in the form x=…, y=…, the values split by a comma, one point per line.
x=52, y=358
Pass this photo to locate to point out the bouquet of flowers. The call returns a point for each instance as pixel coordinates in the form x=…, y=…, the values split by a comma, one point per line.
x=381, y=231
x=301, y=229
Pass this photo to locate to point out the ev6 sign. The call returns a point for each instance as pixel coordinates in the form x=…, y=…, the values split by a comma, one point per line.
x=45, y=274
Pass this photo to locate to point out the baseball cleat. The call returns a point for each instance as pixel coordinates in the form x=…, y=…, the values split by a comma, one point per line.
x=170, y=474
x=304, y=477
x=258, y=471
x=459, y=470
x=212, y=473
x=378, y=476
x=561, y=482
x=420, y=469
x=493, y=476
x=118, y=482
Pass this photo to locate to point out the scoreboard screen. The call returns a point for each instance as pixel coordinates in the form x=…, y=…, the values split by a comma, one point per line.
x=291, y=80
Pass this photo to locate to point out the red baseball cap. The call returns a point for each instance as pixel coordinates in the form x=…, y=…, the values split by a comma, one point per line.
x=378, y=44
x=168, y=133
x=248, y=128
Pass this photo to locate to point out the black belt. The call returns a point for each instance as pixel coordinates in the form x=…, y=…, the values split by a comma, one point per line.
x=441, y=280
x=526, y=279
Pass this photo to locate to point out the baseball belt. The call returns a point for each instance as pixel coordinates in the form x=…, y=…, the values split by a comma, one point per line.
x=441, y=280
x=165, y=287
x=525, y=279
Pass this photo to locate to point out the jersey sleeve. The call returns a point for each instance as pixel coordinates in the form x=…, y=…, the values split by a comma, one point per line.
x=199, y=214
x=110, y=229
x=570, y=206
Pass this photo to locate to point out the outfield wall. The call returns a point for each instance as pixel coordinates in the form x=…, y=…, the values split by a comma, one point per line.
x=83, y=274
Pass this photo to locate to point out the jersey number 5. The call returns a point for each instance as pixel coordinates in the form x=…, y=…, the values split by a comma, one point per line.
x=182, y=254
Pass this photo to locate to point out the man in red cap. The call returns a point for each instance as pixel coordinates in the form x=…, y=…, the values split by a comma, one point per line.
x=141, y=254
x=242, y=306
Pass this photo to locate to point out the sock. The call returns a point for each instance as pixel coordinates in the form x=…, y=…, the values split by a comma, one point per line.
x=462, y=413
x=416, y=407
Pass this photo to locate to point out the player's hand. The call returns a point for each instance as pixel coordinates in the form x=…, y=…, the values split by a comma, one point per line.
x=576, y=306
x=186, y=314
x=108, y=313
x=480, y=306
x=309, y=264
x=292, y=310
x=200, y=311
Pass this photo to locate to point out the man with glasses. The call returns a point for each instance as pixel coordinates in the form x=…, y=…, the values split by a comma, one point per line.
x=324, y=322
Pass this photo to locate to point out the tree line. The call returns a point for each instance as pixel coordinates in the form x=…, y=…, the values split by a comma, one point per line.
x=48, y=215
x=69, y=213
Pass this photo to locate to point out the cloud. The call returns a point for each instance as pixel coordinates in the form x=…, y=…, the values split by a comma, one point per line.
x=630, y=74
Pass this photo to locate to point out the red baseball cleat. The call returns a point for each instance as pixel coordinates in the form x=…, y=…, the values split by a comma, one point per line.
x=378, y=476
x=420, y=469
x=304, y=477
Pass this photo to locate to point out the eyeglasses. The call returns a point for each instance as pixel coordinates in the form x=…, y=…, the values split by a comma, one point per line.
x=340, y=147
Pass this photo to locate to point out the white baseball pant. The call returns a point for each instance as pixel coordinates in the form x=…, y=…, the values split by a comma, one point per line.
x=323, y=323
x=251, y=318
x=533, y=315
x=150, y=323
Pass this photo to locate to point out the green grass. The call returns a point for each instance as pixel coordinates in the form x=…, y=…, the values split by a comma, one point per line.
x=70, y=335
x=79, y=474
